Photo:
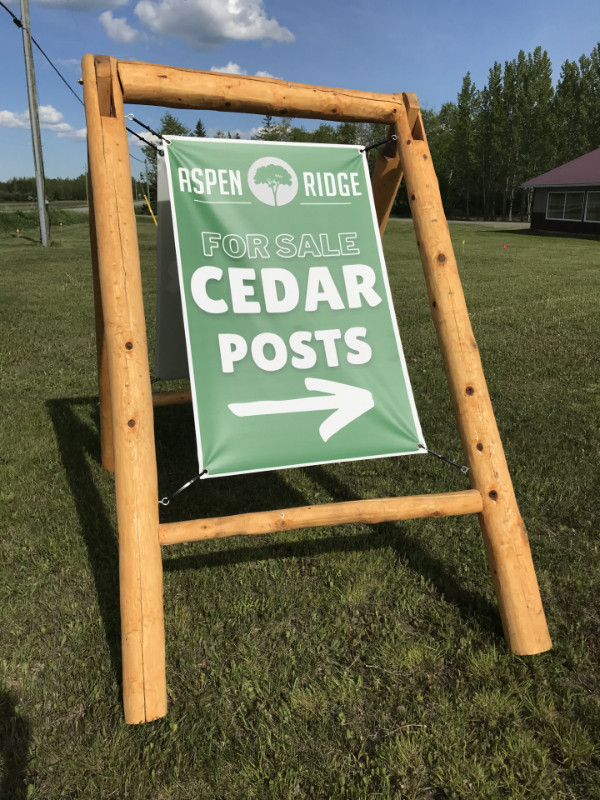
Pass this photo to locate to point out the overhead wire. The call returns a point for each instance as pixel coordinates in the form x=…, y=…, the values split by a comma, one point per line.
x=19, y=24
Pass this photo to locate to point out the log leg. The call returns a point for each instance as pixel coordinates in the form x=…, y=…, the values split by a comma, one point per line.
x=140, y=564
x=504, y=532
x=107, y=452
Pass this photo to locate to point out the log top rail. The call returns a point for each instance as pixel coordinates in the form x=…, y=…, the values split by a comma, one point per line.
x=156, y=84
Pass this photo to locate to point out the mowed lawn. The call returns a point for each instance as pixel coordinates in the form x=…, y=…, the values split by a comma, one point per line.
x=353, y=662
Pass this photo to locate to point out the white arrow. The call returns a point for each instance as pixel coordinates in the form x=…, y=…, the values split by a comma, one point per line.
x=349, y=402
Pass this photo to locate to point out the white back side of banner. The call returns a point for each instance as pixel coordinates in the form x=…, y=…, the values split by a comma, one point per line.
x=171, y=354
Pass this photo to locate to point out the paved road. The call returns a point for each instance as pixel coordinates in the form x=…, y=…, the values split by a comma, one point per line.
x=514, y=226
x=85, y=209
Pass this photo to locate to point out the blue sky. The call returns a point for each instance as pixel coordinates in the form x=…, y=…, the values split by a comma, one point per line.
x=424, y=47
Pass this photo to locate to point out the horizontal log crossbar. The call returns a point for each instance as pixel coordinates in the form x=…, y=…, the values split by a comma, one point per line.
x=158, y=85
x=386, y=509
x=176, y=397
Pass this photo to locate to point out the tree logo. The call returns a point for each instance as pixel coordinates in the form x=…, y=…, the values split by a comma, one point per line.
x=272, y=181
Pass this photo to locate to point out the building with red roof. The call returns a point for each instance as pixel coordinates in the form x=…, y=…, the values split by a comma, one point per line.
x=567, y=198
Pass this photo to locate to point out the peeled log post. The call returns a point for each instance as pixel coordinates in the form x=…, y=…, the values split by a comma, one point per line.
x=504, y=532
x=107, y=453
x=140, y=565
x=172, y=398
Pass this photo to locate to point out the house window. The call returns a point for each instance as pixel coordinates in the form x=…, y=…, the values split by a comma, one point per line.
x=592, y=208
x=565, y=205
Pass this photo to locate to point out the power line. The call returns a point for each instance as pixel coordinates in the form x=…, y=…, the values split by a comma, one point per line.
x=57, y=72
x=19, y=24
x=16, y=20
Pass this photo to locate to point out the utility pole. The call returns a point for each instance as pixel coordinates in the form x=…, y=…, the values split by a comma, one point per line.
x=34, y=121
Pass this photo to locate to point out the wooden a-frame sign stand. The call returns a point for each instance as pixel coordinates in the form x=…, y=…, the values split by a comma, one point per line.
x=126, y=399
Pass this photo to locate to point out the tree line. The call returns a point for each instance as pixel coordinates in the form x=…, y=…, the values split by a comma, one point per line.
x=23, y=190
x=519, y=125
x=484, y=145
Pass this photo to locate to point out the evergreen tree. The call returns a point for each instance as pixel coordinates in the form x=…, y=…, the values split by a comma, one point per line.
x=538, y=136
x=440, y=131
x=269, y=131
x=200, y=130
x=463, y=149
x=490, y=137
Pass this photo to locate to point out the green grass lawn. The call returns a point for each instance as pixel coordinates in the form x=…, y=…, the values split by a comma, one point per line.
x=353, y=662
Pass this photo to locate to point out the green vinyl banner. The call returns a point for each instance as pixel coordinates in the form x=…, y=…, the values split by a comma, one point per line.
x=293, y=347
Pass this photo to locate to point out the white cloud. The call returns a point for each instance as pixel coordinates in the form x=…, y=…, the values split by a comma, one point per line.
x=80, y=134
x=148, y=138
x=50, y=120
x=230, y=68
x=81, y=5
x=49, y=116
x=11, y=119
x=118, y=28
x=234, y=69
x=206, y=24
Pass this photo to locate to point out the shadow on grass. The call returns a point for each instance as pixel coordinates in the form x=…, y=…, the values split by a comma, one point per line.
x=78, y=442
x=15, y=736
x=470, y=604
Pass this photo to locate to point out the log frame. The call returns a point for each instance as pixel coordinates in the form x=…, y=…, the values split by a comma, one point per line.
x=126, y=399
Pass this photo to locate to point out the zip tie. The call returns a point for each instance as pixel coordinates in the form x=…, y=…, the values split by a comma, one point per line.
x=391, y=138
x=463, y=469
x=166, y=500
